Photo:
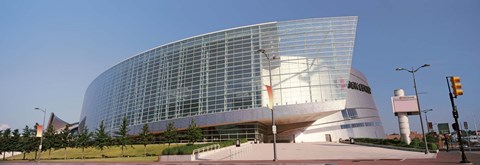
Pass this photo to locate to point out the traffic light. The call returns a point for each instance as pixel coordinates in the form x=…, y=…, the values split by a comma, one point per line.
x=456, y=86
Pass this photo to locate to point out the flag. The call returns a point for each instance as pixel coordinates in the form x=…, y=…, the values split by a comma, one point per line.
x=270, y=97
x=39, y=130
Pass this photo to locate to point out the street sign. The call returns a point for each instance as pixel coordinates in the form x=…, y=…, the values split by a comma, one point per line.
x=405, y=104
x=274, y=129
x=443, y=128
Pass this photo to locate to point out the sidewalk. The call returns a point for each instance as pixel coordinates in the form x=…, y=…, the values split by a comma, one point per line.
x=328, y=151
x=337, y=153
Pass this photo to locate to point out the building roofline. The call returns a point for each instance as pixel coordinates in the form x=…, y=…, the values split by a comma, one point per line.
x=218, y=31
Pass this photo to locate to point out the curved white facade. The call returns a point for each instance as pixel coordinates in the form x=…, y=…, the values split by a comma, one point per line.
x=359, y=118
x=219, y=80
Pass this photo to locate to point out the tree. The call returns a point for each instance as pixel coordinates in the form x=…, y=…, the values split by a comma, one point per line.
x=35, y=140
x=122, y=135
x=65, y=140
x=170, y=134
x=26, y=141
x=432, y=137
x=194, y=133
x=145, y=138
x=15, y=141
x=84, y=140
x=1, y=143
x=50, y=140
x=6, y=144
x=102, y=139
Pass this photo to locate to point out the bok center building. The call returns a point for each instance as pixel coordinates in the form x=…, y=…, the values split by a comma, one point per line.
x=219, y=80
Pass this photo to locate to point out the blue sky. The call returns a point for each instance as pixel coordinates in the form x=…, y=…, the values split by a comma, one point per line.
x=50, y=51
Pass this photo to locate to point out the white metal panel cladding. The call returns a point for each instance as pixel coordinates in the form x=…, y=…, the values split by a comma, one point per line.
x=222, y=72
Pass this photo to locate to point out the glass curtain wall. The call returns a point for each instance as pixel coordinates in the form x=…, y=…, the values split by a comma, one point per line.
x=222, y=71
x=316, y=57
x=217, y=72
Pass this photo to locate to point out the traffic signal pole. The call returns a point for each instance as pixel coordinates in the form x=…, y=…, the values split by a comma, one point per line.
x=455, y=116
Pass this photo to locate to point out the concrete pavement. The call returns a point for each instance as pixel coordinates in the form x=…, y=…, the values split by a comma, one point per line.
x=327, y=151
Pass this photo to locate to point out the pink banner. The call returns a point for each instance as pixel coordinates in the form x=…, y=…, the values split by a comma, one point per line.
x=270, y=97
x=39, y=130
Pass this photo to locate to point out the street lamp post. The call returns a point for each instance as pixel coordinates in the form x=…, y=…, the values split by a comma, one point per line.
x=41, y=139
x=274, y=127
x=426, y=117
x=418, y=102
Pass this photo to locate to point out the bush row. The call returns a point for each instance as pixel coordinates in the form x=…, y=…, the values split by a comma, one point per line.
x=188, y=149
x=416, y=143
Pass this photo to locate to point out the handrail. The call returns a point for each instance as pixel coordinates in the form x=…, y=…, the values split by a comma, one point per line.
x=206, y=148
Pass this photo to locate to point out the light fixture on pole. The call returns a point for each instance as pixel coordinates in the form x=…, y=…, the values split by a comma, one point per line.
x=274, y=127
x=41, y=139
x=426, y=117
x=418, y=102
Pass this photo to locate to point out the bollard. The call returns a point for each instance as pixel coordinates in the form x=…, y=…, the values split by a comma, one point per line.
x=237, y=143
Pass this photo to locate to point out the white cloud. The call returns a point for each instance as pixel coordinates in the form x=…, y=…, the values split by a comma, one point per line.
x=4, y=126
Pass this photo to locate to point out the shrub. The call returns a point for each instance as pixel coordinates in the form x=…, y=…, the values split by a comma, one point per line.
x=183, y=150
x=188, y=149
x=243, y=140
x=402, y=144
x=432, y=146
x=416, y=143
x=230, y=142
x=226, y=143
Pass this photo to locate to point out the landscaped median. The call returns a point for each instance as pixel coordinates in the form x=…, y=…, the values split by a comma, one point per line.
x=415, y=145
x=133, y=153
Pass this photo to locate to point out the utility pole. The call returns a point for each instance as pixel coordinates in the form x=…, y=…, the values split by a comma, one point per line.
x=418, y=102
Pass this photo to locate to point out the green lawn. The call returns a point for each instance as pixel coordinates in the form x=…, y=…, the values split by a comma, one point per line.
x=133, y=154
x=125, y=159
